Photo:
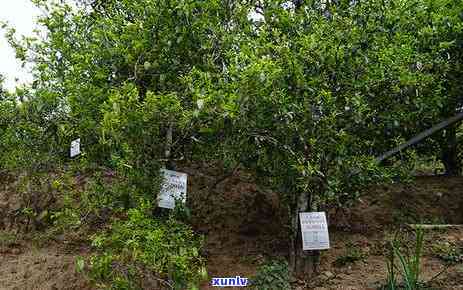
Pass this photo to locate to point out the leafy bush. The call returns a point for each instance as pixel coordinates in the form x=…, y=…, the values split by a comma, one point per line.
x=141, y=249
x=134, y=132
x=273, y=275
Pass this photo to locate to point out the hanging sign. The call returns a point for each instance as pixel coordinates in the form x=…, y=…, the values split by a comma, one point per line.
x=173, y=188
x=314, y=231
x=75, y=148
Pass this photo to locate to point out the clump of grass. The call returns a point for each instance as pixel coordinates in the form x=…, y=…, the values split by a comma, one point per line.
x=408, y=263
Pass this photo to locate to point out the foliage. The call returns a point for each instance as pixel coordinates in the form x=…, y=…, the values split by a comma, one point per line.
x=309, y=99
x=304, y=96
x=300, y=90
x=134, y=128
x=7, y=239
x=93, y=51
x=272, y=275
x=409, y=263
x=449, y=252
x=140, y=245
x=428, y=166
x=319, y=95
x=89, y=204
x=27, y=131
x=112, y=76
x=352, y=255
x=131, y=246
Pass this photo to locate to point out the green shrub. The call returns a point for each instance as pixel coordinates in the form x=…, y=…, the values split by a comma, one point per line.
x=273, y=275
x=142, y=248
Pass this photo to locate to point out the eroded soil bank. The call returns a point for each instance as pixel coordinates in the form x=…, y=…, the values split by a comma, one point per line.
x=243, y=228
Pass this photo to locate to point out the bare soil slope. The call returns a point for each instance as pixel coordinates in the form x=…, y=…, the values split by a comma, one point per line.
x=243, y=227
x=24, y=267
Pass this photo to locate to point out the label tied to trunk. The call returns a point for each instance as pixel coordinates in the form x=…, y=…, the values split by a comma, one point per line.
x=173, y=188
x=314, y=231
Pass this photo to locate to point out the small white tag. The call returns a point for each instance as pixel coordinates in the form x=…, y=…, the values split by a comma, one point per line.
x=314, y=231
x=75, y=148
x=173, y=188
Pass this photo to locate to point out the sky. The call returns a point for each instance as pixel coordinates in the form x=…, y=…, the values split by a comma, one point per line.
x=22, y=15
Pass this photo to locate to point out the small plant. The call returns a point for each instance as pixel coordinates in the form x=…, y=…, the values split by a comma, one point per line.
x=352, y=255
x=409, y=264
x=142, y=249
x=273, y=275
x=428, y=165
x=448, y=252
x=7, y=239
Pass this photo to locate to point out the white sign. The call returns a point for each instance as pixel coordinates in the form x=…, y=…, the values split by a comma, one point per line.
x=173, y=188
x=314, y=231
x=75, y=148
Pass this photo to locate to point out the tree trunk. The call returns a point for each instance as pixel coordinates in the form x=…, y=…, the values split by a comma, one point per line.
x=168, y=150
x=304, y=264
x=293, y=239
x=450, y=153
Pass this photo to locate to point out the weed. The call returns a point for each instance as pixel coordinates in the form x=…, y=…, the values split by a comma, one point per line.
x=273, y=275
x=409, y=264
x=167, y=251
x=352, y=255
x=7, y=239
x=448, y=252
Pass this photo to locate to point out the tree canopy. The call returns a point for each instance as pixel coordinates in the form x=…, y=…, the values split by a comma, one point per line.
x=303, y=94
